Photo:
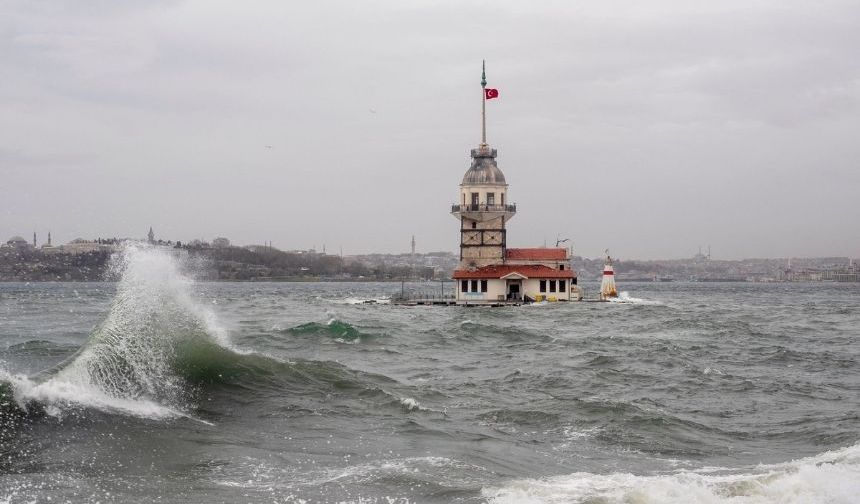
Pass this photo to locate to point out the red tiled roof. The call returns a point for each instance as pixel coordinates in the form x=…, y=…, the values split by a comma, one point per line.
x=537, y=254
x=502, y=270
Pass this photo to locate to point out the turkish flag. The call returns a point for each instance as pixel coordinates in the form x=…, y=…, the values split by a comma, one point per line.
x=491, y=93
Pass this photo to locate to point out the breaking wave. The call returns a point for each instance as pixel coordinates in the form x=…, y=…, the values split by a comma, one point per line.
x=158, y=347
x=830, y=477
x=133, y=362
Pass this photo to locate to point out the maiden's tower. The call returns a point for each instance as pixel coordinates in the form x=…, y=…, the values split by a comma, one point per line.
x=489, y=271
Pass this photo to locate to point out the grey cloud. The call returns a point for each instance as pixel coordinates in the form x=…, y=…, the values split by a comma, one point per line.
x=647, y=127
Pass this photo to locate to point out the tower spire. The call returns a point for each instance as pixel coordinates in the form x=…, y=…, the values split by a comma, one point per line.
x=483, y=103
x=483, y=73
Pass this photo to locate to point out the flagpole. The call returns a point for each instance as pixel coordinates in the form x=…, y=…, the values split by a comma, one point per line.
x=483, y=103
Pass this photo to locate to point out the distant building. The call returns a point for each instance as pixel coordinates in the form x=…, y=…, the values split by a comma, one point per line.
x=82, y=246
x=48, y=248
x=700, y=257
x=18, y=242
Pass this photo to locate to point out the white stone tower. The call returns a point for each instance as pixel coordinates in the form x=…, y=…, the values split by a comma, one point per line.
x=483, y=208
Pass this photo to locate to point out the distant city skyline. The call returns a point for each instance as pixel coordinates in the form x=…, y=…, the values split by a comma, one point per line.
x=646, y=128
x=700, y=253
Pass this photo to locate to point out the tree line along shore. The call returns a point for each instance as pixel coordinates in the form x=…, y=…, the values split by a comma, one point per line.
x=228, y=263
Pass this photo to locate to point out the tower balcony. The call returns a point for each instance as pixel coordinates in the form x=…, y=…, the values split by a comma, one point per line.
x=483, y=211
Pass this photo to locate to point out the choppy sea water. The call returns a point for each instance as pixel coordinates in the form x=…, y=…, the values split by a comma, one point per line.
x=161, y=389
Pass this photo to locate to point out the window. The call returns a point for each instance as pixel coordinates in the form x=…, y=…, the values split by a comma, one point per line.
x=474, y=225
x=561, y=286
x=475, y=199
x=503, y=198
x=552, y=285
x=561, y=267
x=543, y=285
x=491, y=198
x=464, y=286
x=483, y=286
x=474, y=286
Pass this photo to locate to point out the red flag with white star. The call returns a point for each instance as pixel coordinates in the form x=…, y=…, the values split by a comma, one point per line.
x=491, y=93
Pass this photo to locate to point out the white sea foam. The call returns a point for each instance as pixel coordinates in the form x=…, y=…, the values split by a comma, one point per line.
x=625, y=297
x=57, y=396
x=355, y=341
x=832, y=477
x=279, y=477
x=572, y=433
x=410, y=404
x=374, y=471
x=356, y=301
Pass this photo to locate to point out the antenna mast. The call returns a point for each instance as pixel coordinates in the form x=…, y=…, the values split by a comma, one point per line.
x=483, y=103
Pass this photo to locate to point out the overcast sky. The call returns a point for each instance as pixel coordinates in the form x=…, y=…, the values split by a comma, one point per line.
x=649, y=128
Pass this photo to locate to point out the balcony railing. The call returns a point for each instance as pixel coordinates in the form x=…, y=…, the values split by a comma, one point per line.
x=484, y=208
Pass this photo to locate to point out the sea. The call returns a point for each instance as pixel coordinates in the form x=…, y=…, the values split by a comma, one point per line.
x=157, y=387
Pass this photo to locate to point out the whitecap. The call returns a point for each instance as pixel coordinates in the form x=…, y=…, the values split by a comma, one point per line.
x=625, y=297
x=410, y=404
x=57, y=397
x=358, y=301
x=832, y=477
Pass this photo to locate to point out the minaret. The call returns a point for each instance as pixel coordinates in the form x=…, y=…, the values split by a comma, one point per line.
x=49, y=238
x=34, y=239
x=483, y=209
x=151, y=235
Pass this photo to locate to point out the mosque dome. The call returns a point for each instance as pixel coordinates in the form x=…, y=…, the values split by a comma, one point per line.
x=484, y=170
x=17, y=241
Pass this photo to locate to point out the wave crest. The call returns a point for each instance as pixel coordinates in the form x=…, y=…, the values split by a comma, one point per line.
x=830, y=477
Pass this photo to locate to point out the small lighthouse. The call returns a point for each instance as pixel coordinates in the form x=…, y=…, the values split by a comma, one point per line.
x=607, y=284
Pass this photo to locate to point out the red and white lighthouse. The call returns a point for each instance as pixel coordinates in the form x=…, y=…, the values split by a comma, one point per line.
x=607, y=284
